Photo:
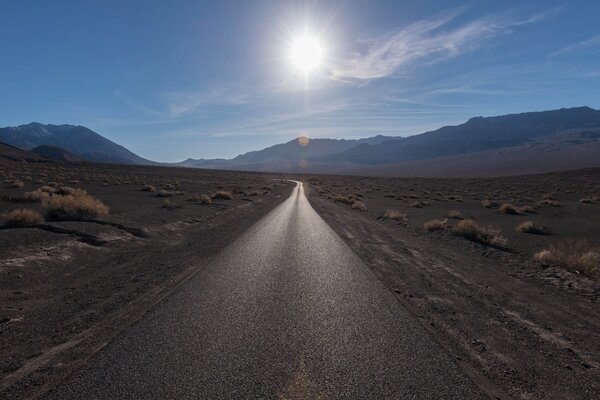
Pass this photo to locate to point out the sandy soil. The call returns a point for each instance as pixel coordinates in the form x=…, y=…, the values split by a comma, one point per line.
x=68, y=287
x=519, y=329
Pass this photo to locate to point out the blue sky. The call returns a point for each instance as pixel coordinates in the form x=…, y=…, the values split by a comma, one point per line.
x=177, y=79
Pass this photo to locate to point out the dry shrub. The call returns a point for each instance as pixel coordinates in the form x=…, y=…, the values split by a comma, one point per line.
x=201, y=198
x=579, y=255
x=222, y=195
x=342, y=199
x=169, y=204
x=586, y=201
x=509, y=209
x=528, y=209
x=395, y=215
x=22, y=217
x=36, y=195
x=419, y=204
x=549, y=202
x=489, y=203
x=435, y=225
x=13, y=183
x=359, y=205
x=455, y=214
x=78, y=205
x=164, y=193
x=531, y=227
x=147, y=188
x=169, y=186
x=65, y=190
x=469, y=229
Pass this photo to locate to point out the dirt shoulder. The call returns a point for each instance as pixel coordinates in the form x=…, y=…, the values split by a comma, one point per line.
x=63, y=298
x=517, y=329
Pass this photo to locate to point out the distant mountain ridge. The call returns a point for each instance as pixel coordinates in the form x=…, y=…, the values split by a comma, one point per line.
x=76, y=139
x=477, y=134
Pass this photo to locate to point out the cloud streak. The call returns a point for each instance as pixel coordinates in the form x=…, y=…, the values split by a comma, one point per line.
x=591, y=42
x=425, y=41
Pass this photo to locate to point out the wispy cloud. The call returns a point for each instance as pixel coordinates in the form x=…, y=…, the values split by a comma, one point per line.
x=424, y=41
x=585, y=44
x=182, y=103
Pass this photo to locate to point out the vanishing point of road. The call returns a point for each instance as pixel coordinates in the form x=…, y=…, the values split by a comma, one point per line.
x=287, y=311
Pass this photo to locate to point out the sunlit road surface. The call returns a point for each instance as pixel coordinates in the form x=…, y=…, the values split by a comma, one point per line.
x=287, y=311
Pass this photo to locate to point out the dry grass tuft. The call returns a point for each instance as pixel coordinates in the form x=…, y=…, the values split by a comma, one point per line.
x=487, y=235
x=22, y=217
x=436, y=225
x=78, y=205
x=359, y=205
x=201, y=198
x=531, y=227
x=147, y=188
x=489, y=203
x=13, y=183
x=164, y=193
x=510, y=209
x=549, y=202
x=222, y=195
x=395, y=215
x=575, y=254
x=455, y=214
x=586, y=201
x=169, y=204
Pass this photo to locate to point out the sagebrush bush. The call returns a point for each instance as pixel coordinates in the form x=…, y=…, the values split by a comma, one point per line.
x=576, y=254
x=509, y=209
x=147, y=188
x=78, y=205
x=531, y=227
x=469, y=229
x=169, y=204
x=201, y=198
x=358, y=205
x=455, y=214
x=164, y=193
x=222, y=195
x=22, y=217
x=489, y=203
x=435, y=225
x=395, y=215
x=13, y=183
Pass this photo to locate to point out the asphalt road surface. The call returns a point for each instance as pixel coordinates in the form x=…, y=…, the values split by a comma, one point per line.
x=287, y=311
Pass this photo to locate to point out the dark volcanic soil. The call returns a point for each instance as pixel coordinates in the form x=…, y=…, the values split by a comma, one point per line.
x=68, y=287
x=520, y=330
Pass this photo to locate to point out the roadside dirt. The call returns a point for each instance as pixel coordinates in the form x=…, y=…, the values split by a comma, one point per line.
x=63, y=297
x=519, y=330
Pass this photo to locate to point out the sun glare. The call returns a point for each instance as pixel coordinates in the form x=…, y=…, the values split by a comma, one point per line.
x=306, y=53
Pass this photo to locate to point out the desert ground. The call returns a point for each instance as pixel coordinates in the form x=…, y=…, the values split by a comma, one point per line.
x=512, y=293
x=501, y=272
x=75, y=278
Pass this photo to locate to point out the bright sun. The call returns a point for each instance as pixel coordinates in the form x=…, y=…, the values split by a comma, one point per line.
x=306, y=53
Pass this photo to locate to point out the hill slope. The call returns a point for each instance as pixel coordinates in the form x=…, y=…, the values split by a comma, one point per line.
x=477, y=134
x=12, y=153
x=56, y=153
x=78, y=140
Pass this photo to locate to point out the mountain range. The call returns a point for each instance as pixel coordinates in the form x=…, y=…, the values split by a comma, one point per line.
x=530, y=142
x=75, y=139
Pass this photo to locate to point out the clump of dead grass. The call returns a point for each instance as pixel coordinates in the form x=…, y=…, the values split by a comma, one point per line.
x=13, y=183
x=147, y=188
x=164, y=193
x=531, y=227
x=489, y=203
x=455, y=214
x=436, y=225
x=201, y=198
x=580, y=255
x=511, y=209
x=469, y=229
x=169, y=204
x=395, y=215
x=550, y=202
x=358, y=205
x=21, y=217
x=222, y=195
x=78, y=205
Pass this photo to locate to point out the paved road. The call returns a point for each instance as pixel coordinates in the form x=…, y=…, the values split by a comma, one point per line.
x=288, y=311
